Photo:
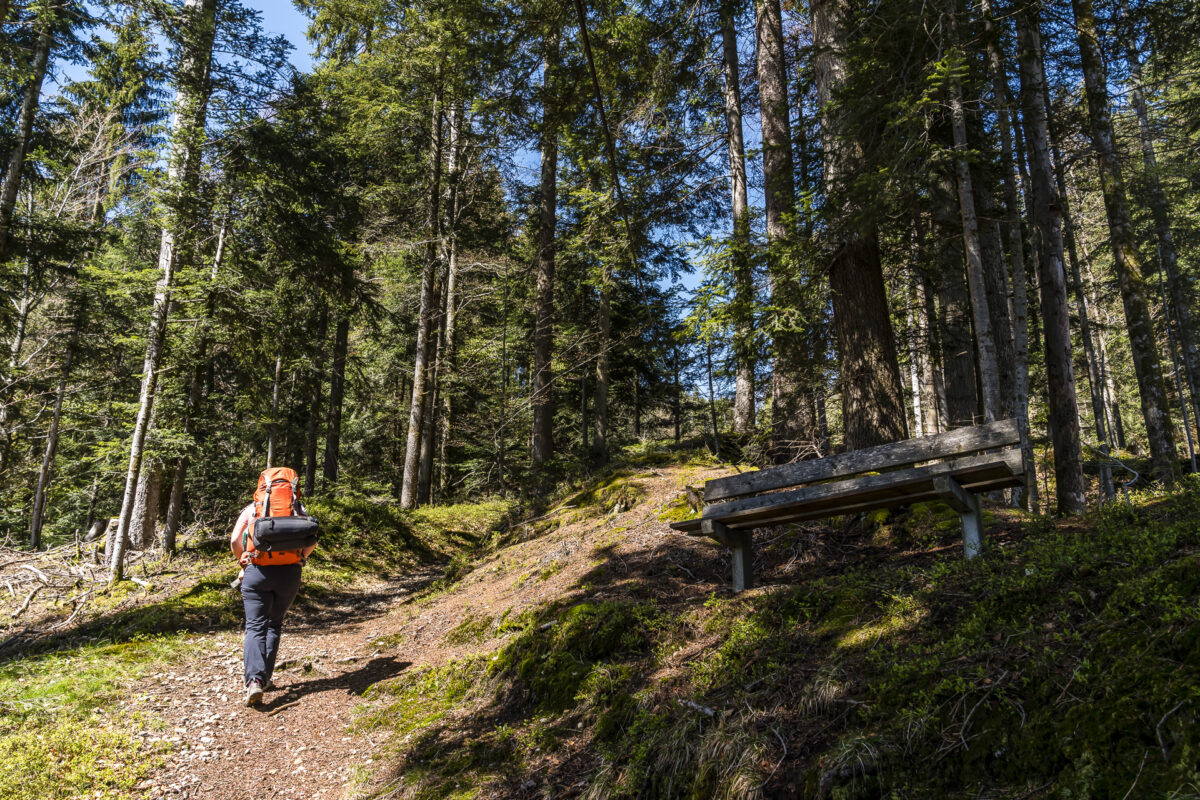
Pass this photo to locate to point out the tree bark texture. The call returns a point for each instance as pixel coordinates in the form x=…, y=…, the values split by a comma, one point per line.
x=543, y=326
x=1142, y=341
x=793, y=424
x=176, y=244
x=872, y=392
x=337, y=391
x=743, y=278
x=450, y=326
x=954, y=310
x=24, y=131
x=1047, y=230
x=426, y=312
x=1005, y=119
x=313, y=429
x=600, y=392
x=44, y=474
x=985, y=344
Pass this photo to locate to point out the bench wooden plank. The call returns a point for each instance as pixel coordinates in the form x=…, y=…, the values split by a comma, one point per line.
x=889, y=484
x=1000, y=476
x=959, y=442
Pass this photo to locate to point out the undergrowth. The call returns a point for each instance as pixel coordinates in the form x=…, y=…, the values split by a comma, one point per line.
x=1063, y=664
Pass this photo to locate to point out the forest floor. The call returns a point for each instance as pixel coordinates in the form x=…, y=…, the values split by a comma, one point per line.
x=592, y=652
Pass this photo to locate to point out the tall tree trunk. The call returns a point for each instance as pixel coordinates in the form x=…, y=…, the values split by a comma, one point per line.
x=428, y=423
x=195, y=393
x=1146, y=365
x=47, y=468
x=24, y=130
x=450, y=329
x=426, y=312
x=985, y=344
x=938, y=418
x=872, y=392
x=176, y=245
x=712, y=400
x=1084, y=315
x=954, y=314
x=337, y=391
x=1016, y=250
x=312, y=432
x=1047, y=225
x=743, y=277
x=144, y=526
x=600, y=392
x=543, y=333
x=1179, y=284
x=793, y=422
x=273, y=428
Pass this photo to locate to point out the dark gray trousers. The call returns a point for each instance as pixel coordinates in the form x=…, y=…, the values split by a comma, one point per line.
x=267, y=593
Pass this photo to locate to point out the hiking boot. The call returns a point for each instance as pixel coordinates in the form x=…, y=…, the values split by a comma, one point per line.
x=269, y=686
x=254, y=693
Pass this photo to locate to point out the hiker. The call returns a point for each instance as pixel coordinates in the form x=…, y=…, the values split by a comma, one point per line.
x=271, y=540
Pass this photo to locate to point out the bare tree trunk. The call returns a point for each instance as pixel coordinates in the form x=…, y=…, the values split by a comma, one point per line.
x=1085, y=317
x=47, y=468
x=145, y=508
x=1047, y=221
x=985, y=347
x=793, y=421
x=872, y=392
x=427, y=311
x=183, y=175
x=954, y=315
x=428, y=423
x=273, y=428
x=543, y=334
x=195, y=393
x=743, y=278
x=1142, y=341
x=337, y=390
x=312, y=432
x=937, y=417
x=712, y=401
x=1016, y=251
x=24, y=131
x=600, y=393
x=450, y=329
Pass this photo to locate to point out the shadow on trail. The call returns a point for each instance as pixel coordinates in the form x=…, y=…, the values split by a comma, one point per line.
x=354, y=682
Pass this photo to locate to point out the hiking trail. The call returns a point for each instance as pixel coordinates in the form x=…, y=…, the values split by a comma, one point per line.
x=296, y=744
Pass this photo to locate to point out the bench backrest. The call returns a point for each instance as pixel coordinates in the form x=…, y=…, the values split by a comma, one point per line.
x=959, y=442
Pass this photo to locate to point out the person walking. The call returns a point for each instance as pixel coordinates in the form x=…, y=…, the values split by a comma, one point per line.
x=271, y=545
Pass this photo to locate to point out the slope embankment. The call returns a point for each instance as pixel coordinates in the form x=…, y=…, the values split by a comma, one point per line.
x=592, y=652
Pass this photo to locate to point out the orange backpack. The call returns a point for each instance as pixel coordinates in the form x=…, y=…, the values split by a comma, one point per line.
x=279, y=530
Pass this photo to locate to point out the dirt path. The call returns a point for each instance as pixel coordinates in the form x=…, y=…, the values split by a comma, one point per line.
x=296, y=745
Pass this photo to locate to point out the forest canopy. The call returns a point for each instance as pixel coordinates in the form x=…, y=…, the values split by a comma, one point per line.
x=483, y=243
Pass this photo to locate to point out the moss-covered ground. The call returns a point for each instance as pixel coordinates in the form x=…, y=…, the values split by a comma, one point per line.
x=1064, y=664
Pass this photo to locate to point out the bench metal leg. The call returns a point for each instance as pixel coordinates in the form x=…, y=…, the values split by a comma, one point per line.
x=972, y=522
x=966, y=504
x=741, y=545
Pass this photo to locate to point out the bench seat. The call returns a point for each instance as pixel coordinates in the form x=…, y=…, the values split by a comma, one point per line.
x=835, y=486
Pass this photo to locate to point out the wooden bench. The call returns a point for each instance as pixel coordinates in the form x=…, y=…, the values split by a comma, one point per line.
x=953, y=467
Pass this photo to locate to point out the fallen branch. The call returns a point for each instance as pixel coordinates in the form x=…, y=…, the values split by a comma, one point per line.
x=28, y=600
x=35, y=571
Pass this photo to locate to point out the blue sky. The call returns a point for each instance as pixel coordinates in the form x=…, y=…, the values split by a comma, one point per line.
x=282, y=17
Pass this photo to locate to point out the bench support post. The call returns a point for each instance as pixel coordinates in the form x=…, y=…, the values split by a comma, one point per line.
x=967, y=505
x=741, y=545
